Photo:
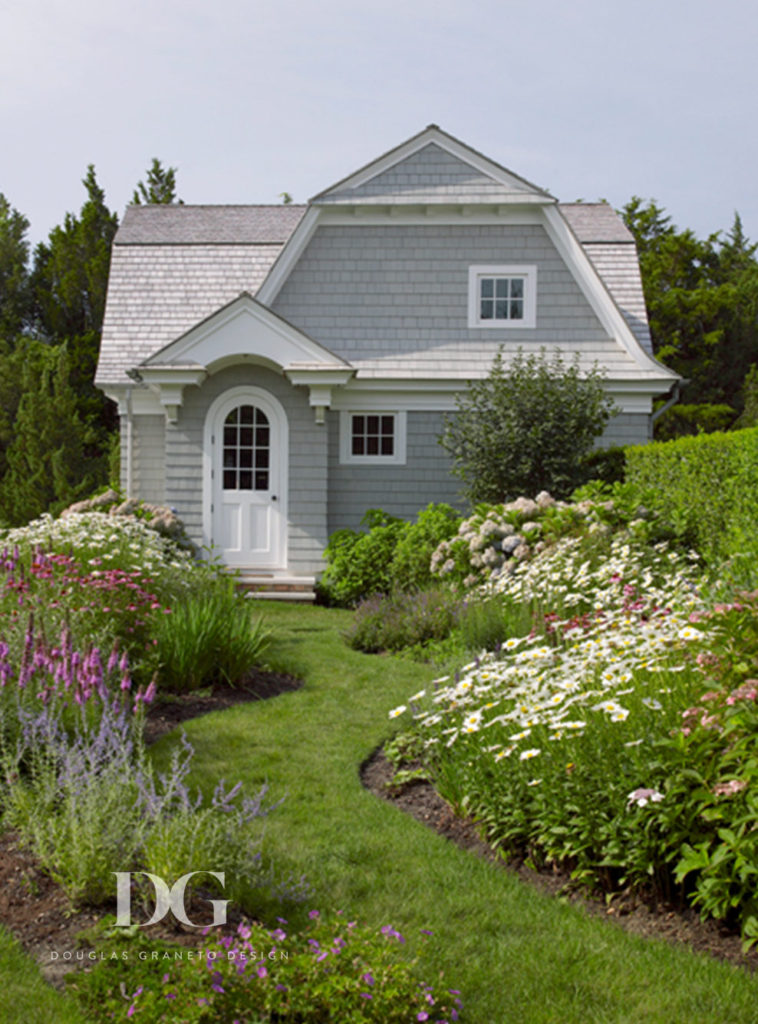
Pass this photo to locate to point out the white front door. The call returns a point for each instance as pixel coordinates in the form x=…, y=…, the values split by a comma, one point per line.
x=248, y=444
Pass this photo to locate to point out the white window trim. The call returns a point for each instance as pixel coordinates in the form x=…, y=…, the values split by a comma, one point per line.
x=529, y=274
x=346, y=435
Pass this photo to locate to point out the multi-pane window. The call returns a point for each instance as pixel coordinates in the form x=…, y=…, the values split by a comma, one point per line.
x=372, y=434
x=502, y=296
x=372, y=438
x=247, y=450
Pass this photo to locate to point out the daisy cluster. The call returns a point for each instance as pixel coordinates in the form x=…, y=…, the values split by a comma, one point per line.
x=122, y=541
x=632, y=615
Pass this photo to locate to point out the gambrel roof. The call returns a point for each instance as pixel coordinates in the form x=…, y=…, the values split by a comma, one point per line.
x=175, y=266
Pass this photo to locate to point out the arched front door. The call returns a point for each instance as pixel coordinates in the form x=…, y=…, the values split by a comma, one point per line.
x=246, y=433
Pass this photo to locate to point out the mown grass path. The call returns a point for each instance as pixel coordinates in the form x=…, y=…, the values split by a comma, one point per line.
x=516, y=955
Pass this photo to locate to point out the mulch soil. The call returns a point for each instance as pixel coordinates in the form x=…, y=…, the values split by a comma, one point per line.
x=35, y=910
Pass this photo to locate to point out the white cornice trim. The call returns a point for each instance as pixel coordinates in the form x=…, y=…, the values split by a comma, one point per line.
x=319, y=383
x=422, y=215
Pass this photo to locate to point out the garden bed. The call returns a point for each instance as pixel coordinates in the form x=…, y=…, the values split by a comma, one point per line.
x=646, y=918
x=36, y=909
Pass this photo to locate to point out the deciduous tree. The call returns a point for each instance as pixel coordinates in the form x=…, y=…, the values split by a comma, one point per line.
x=526, y=427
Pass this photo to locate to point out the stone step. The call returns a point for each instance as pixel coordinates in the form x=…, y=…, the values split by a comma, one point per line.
x=277, y=588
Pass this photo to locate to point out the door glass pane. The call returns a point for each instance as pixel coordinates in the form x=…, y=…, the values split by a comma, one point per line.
x=247, y=445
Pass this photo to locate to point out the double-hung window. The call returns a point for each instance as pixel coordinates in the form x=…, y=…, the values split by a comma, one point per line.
x=502, y=296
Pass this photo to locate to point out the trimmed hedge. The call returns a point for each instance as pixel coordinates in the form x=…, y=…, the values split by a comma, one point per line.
x=705, y=488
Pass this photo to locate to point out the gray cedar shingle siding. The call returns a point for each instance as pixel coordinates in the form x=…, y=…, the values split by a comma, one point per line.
x=148, y=463
x=393, y=300
x=399, y=490
x=432, y=175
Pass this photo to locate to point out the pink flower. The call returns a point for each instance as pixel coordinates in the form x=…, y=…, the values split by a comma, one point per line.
x=729, y=788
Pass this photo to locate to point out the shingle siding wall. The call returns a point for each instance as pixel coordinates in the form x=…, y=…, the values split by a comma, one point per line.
x=398, y=295
x=626, y=428
x=148, y=466
x=403, y=490
x=400, y=490
x=431, y=173
x=307, y=462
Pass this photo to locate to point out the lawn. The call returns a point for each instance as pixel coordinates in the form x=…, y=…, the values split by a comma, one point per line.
x=514, y=954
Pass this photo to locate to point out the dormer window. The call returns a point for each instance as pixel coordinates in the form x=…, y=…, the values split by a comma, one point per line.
x=502, y=296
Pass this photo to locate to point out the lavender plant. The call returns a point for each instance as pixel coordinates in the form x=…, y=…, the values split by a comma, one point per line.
x=89, y=802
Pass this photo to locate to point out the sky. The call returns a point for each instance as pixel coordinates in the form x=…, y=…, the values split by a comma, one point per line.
x=589, y=99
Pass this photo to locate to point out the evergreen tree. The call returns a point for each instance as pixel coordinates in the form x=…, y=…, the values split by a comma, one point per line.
x=15, y=295
x=702, y=301
x=160, y=187
x=69, y=280
x=70, y=273
x=49, y=464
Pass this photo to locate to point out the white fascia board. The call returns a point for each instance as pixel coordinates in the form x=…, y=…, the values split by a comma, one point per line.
x=288, y=257
x=325, y=376
x=596, y=292
x=394, y=396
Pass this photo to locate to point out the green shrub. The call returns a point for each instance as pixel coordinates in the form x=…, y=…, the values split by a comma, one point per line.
x=682, y=420
x=606, y=464
x=525, y=427
x=209, y=636
x=411, y=562
x=705, y=488
x=359, y=561
x=389, y=554
x=399, y=620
